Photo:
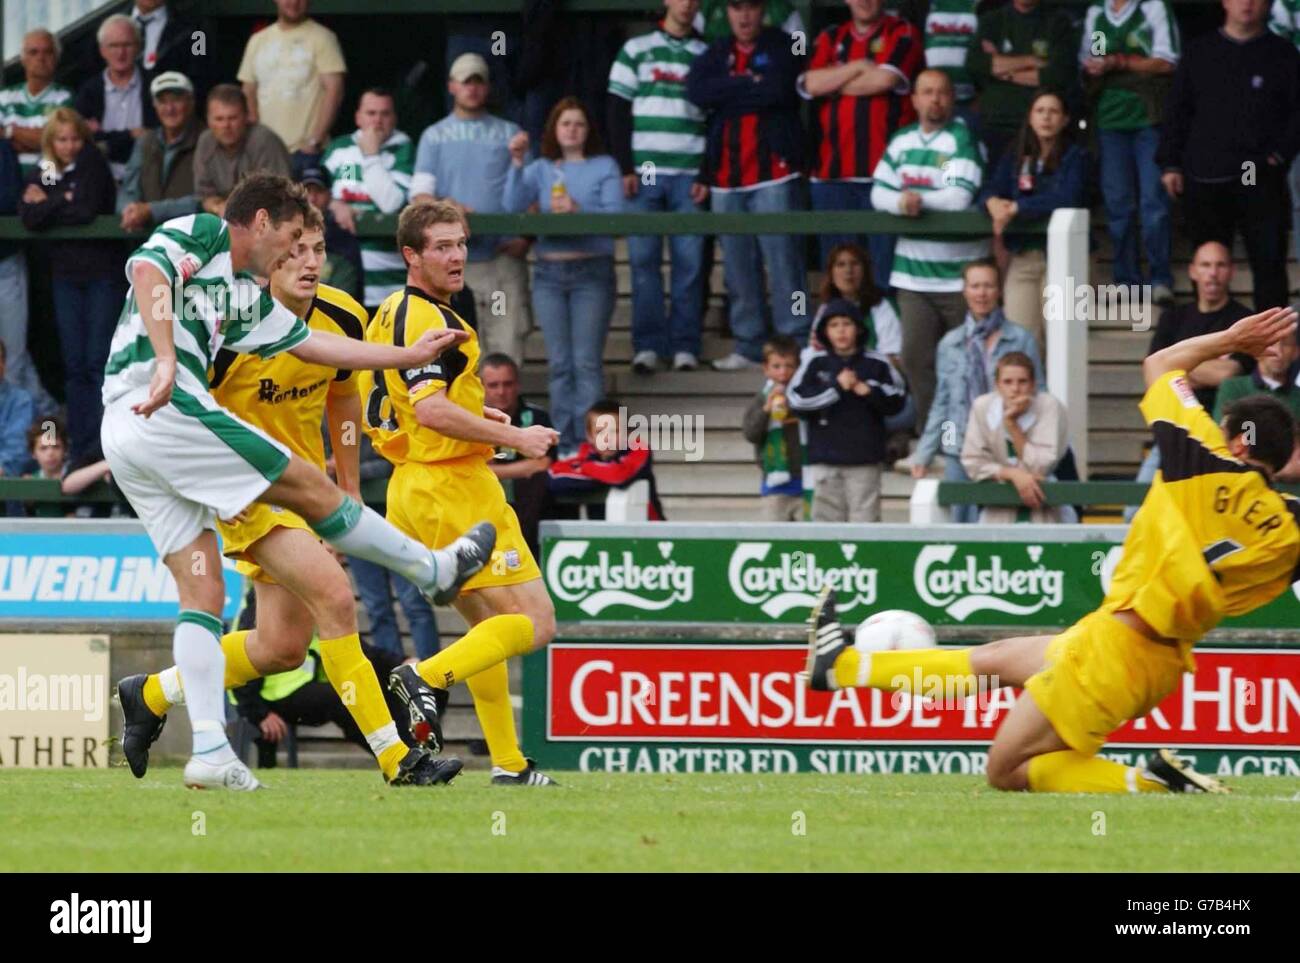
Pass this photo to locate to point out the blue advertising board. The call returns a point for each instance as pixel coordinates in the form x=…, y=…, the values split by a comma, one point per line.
x=90, y=569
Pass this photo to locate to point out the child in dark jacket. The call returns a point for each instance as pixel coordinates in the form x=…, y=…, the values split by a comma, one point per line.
x=777, y=434
x=601, y=463
x=845, y=392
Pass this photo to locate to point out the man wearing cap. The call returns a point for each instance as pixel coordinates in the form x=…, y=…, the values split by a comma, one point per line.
x=232, y=146
x=342, y=268
x=159, y=180
x=371, y=171
x=464, y=158
x=292, y=74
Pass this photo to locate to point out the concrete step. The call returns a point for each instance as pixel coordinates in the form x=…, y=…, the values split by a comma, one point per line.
x=621, y=381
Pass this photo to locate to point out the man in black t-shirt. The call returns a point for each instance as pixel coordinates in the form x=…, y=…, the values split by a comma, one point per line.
x=524, y=479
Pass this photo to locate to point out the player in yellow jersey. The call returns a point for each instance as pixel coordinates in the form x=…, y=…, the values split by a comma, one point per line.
x=1212, y=538
x=432, y=424
x=299, y=585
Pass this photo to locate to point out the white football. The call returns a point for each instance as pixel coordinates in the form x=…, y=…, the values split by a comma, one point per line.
x=894, y=629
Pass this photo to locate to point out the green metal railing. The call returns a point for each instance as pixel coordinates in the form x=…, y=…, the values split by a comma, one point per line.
x=1003, y=494
x=972, y=223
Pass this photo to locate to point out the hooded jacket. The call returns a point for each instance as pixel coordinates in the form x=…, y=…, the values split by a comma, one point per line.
x=845, y=428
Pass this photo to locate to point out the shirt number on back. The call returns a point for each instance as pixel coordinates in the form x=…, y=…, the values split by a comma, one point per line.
x=375, y=416
x=1220, y=549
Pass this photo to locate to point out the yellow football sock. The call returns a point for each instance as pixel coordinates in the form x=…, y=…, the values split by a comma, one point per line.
x=916, y=670
x=496, y=716
x=239, y=670
x=354, y=679
x=154, y=697
x=1071, y=771
x=491, y=641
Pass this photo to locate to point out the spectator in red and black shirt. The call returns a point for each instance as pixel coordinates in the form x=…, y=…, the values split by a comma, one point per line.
x=860, y=75
x=602, y=463
x=754, y=158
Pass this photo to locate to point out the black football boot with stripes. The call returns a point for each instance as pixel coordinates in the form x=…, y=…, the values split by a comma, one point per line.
x=424, y=703
x=531, y=776
x=826, y=640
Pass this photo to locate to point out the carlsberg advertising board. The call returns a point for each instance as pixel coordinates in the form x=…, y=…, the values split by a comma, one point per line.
x=1041, y=575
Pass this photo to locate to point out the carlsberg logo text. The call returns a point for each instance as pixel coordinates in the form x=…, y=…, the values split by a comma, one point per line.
x=968, y=586
x=616, y=578
x=793, y=580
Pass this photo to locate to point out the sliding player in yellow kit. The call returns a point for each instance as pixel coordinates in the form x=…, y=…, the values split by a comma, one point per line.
x=299, y=585
x=1212, y=539
x=432, y=424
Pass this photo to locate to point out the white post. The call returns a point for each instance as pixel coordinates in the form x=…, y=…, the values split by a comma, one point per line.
x=923, y=506
x=630, y=504
x=1066, y=332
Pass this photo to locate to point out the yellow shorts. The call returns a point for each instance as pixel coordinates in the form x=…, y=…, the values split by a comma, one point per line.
x=237, y=538
x=1100, y=674
x=437, y=503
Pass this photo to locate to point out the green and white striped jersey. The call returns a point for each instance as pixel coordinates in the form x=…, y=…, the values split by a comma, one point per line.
x=949, y=32
x=1144, y=28
x=20, y=108
x=1284, y=20
x=946, y=168
x=380, y=183
x=667, y=129
x=212, y=307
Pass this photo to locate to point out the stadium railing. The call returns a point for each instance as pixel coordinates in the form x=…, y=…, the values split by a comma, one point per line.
x=931, y=498
x=1067, y=261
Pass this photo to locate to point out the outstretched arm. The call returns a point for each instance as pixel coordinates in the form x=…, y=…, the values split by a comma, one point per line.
x=1251, y=335
x=336, y=351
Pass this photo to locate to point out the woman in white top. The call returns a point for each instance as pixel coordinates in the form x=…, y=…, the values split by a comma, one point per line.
x=1016, y=434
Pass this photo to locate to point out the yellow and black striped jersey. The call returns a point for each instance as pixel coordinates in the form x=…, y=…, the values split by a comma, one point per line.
x=283, y=396
x=389, y=397
x=1212, y=537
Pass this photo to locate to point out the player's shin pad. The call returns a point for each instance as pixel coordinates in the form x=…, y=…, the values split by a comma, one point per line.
x=1072, y=771
x=919, y=671
x=354, y=679
x=496, y=716
x=491, y=641
x=356, y=530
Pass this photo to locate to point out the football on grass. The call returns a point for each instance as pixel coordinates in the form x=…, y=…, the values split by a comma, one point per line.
x=894, y=629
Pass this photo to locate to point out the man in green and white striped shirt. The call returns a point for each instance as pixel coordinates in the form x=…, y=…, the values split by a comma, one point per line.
x=949, y=29
x=932, y=165
x=658, y=138
x=182, y=460
x=371, y=171
x=23, y=108
x=24, y=105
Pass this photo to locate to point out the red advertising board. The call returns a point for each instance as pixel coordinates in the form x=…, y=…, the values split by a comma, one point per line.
x=1238, y=699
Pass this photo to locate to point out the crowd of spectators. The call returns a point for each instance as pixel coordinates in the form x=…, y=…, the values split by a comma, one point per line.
x=1015, y=110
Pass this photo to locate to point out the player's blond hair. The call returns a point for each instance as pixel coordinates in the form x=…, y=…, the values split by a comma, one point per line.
x=419, y=217
x=313, y=219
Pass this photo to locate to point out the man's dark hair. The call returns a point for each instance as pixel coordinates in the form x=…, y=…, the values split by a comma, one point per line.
x=605, y=406
x=277, y=195
x=4, y=352
x=378, y=92
x=230, y=94
x=498, y=359
x=1269, y=423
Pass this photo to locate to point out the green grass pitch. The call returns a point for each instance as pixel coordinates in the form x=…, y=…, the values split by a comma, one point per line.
x=78, y=820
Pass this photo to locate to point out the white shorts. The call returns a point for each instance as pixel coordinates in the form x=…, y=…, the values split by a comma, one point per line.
x=187, y=464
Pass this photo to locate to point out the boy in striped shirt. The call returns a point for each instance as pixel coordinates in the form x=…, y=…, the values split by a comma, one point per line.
x=658, y=138
x=932, y=165
x=182, y=460
x=370, y=170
